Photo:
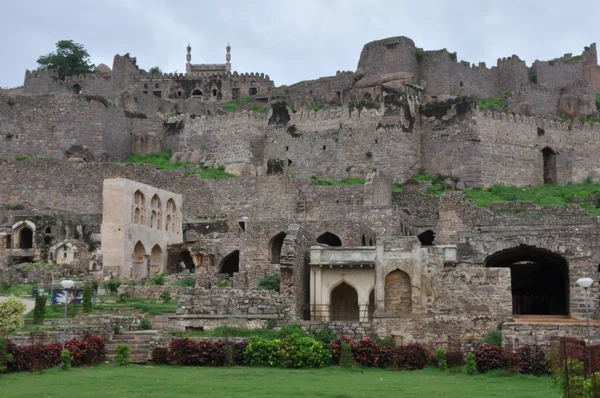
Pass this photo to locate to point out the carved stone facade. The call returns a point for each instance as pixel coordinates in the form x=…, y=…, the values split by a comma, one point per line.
x=138, y=222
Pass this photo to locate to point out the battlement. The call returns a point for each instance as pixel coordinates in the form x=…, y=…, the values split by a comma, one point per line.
x=538, y=122
x=196, y=75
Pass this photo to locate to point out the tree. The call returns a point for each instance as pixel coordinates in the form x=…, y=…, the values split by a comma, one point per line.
x=155, y=70
x=69, y=59
x=11, y=315
x=39, y=311
x=88, y=292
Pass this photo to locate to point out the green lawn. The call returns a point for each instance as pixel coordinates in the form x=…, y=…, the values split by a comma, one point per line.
x=163, y=381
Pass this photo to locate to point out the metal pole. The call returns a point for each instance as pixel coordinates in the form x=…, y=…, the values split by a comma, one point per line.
x=65, y=325
x=587, y=316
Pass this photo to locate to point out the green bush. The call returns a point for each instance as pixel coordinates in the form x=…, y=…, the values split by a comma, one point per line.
x=159, y=279
x=292, y=329
x=346, y=355
x=145, y=324
x=270, y=282
x=223, y=283
x=369, y=154
x=5, y=286
x=65, y=359
x=88, y=292
x=493, y=337
x=11, y=315
x=95, y=286
x=165, y=296
x=185, y=282
x=5, y=356
x=39, y=311
x=325, y=335
x=262, y=352
x=471, y=366
x=298, y=351
x=440, y=359
x=123, y=297
x=112, y=286
x=122, y=355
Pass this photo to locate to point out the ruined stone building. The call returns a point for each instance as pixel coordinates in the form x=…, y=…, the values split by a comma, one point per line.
x=361, y=258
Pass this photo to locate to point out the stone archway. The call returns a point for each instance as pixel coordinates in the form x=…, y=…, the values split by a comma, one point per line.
x=539, y=280
x=140, y=262
x=231, y=263
x=275, y=247
x=329, y=239
x=398, y=292
x=549, y=157
x=371, y=306
x=344, y=303
x=156, y=262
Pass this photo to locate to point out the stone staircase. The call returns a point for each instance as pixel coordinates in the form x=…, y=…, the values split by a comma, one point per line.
x=160, y=322
x=139, y=343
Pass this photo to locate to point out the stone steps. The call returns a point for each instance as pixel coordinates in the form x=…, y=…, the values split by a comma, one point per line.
x=138, y=342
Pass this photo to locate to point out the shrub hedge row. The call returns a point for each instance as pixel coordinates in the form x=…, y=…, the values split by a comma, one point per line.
x=85, y=352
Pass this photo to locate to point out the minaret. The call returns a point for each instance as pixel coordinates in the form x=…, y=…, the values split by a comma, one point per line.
x=228, y=58
x=188, y=57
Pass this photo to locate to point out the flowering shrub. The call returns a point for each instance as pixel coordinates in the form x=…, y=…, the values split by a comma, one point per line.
x=186, y=352
x=532, y=360
x=367, y=353
x=86, y=352
x=490, y=357
x=89, y=351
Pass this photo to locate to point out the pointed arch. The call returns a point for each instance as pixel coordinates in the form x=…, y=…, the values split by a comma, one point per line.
x=230, y=263
x=329, y=239
x=398, y=293
x=156, y=206
x=343, y=303
x=275, y=245
x=172, y=221
x=539, y=279
x=140, y=267
x=23, y=235
x=197, y=93
x=363, y=240
x=371, y=305
x=156, y=259
x=139, y=207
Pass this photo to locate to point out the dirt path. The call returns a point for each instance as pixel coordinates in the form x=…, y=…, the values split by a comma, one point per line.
x=29, y=303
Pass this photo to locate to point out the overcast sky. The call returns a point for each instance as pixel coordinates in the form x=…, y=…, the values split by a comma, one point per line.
x=289, y=40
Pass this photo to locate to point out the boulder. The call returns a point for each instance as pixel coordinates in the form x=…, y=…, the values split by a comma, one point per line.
x=176, y=157
x=461, y=186
x=241, y=169
x=186, y=157
x=449, y=184
x=411, y=185
x=196, y=156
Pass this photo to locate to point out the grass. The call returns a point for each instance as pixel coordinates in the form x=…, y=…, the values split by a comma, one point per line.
x=134, y=381
x=229, y=331
x=15, y=290
x=344, y=181
x=541, y=195
x=396, y=187
x=149, y=307
x=497, y=104
x=235, y=104
x=161, y=161
x=315, y=107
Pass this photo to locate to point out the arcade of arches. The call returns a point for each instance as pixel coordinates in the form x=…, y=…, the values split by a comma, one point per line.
x=539, y=280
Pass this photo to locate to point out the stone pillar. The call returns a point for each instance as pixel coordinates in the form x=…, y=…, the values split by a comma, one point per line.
x=450, y=221
x=378, y=190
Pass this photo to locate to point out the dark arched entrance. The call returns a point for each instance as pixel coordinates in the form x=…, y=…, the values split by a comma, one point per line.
x=329, y=239
x=231, y=263
x=426, y=238
x=344, y=303
x=539, y=280
x=275, y=245
x=25, y=238
x=549, y=156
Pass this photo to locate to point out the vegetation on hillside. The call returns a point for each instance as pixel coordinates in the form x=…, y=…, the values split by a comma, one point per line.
x=344, y=181
x=161, y=160
x=235, y=104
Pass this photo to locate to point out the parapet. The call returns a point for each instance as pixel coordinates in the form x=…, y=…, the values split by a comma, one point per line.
x=538, y=122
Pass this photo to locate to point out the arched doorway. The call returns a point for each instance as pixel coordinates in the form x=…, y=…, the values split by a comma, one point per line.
x=155, y=260
x=140, y=261
x=539, y=280
x=344, y=303
x=371, y=307
x=197, y=94
x=363, y=240
x=275, y=245
x=329, y=239
x=188, y=262
x=231, y=263
x=398, y=291
x=549, y=156
x=426, y=238
x=25, y=238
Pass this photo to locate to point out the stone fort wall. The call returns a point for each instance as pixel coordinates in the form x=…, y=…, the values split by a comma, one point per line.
x=47, y=125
